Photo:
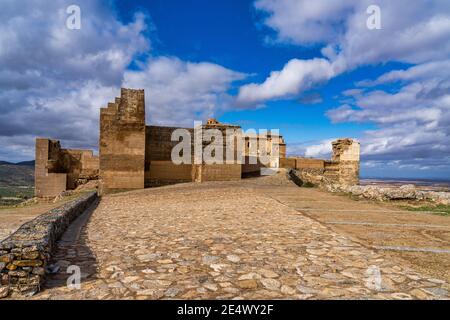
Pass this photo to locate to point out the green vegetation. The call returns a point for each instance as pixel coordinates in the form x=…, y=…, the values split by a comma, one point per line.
x=439, y=209
x=16, y=175
x=308, y=185
x=13, y=195
x=16, y=182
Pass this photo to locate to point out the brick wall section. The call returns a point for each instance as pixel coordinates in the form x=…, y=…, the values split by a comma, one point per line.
x=25, y=254
x=122, y=142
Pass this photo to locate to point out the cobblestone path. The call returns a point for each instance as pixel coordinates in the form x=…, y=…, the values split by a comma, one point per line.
x=229, y=240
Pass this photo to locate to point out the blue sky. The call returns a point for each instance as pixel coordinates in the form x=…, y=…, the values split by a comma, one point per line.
x=311, y=69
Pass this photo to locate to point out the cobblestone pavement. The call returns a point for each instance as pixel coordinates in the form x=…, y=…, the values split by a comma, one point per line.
x=227, y=240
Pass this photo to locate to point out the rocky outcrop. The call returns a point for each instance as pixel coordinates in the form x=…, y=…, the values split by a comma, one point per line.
x=405, y=192
x=25, y=254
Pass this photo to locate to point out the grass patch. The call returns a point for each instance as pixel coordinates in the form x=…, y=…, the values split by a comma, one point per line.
x=15, y=194
x=439, y=209
x=308, y=185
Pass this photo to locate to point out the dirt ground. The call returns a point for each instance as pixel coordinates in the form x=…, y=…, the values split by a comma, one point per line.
x=11, y=218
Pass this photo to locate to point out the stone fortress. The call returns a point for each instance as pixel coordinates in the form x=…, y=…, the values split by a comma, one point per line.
x=133, y=155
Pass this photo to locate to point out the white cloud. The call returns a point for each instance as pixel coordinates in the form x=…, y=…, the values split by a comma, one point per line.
x=296, y=76
x=322, y=150
x=179, y=92
x=413, y=124
x=412, y=117
x=53, y=80
x=418, y=72
x=305, y=22
x=409, y=33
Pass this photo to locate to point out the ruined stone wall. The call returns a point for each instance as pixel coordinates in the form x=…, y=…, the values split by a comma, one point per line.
x=343, y=169
x=57, y=169
x=80, y=165
x=133, y=155
x=347, y=153
x=122, y=142
x=47, y=179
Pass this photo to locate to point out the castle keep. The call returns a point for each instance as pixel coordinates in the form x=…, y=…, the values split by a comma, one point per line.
x=133, y=155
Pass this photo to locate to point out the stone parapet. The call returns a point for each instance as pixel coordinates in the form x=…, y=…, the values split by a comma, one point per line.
x=25, y=254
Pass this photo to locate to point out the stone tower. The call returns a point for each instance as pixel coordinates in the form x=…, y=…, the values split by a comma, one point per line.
x=346, y=153
x=122, y=142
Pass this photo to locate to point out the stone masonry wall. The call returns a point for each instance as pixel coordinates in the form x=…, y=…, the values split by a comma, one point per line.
x=122, y=142
x=218, y=172
x=57, y=169
x=159, y=168
x=25, y=254
x=347, y=153
x=343, y=169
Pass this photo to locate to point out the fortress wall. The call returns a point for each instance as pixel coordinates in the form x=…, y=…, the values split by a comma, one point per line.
x=47, y=185
x=343, y=169
x=158, y=142
x=303, y=163
x=347, y=153
x=122, y=142
x=249, y=168
x=217, y=172
x=159, y=168
x=78, y=164
x=165, y=172
x=288, y=163
x=133, y=155
x=57, y=169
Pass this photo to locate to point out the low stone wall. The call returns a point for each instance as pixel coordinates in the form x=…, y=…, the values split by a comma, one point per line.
x=25, y=254
x=316, y=177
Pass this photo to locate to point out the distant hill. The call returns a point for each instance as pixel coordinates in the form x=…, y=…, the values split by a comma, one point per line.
x=25, y=163
x=16, y=174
